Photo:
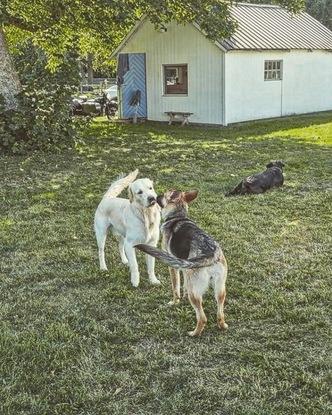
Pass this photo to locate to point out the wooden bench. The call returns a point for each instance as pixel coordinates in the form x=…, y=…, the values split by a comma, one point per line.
x=174, y=115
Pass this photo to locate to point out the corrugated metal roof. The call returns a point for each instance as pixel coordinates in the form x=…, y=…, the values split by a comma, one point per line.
x=272, y=27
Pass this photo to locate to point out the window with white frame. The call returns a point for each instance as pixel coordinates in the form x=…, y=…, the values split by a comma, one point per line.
x=175, y=79
x=272, y=70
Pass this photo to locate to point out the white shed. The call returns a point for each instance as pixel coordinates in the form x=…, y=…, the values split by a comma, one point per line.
x=275, y=64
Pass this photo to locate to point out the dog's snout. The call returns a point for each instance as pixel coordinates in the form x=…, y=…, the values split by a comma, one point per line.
x=151, y=199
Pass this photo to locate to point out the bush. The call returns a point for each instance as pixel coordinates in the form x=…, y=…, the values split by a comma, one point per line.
x=42, y=119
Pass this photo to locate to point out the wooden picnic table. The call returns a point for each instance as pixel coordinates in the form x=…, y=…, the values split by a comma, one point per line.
x=174, y=115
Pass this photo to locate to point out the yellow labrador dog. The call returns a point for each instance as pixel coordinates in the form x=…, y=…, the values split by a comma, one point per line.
x=133, y=221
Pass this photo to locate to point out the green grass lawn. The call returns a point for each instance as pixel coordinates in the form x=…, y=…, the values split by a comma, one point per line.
x=74, y=340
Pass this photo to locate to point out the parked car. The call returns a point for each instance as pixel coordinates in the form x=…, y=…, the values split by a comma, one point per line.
x=112, y=92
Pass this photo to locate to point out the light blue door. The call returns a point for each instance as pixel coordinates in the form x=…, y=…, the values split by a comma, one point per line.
x=133, y=80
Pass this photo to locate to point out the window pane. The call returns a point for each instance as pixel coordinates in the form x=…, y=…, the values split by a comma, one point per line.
x=273, y=70
x=175, y=79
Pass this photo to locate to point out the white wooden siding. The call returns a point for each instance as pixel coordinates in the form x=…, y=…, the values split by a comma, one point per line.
x=306, y=84
x=241, y=93
x=181, y=44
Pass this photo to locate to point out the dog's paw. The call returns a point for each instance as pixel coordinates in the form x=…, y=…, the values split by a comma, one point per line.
x=192, y=333
x=103, y=268
x=125, y=261
x=223, y=326
x=173, y=302
x=134, y=280
x=155, y=281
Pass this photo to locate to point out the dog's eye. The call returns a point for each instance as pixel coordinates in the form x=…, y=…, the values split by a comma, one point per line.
x=150, y=188
x=140, y=192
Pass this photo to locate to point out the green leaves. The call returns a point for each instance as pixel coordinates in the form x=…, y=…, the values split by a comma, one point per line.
x=321, y=10
x=99, y=25
x=42, y=119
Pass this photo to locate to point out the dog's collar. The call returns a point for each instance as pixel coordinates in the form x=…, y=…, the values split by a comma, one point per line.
x=172, y=220
x=176, y=215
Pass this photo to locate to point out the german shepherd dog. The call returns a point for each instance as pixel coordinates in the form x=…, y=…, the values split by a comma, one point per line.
x=260, y=182
x=188, y=248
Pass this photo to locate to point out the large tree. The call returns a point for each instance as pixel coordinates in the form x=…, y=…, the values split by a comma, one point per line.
x=9, y=81
x=98, y=25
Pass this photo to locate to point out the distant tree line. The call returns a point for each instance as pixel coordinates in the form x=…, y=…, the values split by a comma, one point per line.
x=319, y=9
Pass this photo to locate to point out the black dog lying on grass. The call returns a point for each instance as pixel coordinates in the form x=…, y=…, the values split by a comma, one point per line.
x=260, y=182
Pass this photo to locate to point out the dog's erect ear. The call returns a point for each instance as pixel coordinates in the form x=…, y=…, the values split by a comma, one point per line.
x=271, y=164
x=280, y=164
x=190, y=196
x=130, y=194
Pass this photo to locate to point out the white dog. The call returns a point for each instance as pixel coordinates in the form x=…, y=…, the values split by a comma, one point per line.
x=133, y=221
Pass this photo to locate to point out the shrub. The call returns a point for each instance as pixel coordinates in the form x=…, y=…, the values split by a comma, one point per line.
x=42, y=119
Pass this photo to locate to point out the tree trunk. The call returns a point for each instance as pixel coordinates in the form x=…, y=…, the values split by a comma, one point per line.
x=90, y=68
x=10, y=84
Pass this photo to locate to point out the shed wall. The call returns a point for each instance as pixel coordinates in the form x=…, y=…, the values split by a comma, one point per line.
x=306, y=85
x=181, y=44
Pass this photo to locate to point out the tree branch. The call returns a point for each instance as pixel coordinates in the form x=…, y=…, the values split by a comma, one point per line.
x=21, y=24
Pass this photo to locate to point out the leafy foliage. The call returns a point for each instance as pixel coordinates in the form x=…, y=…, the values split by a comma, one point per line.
x=42, y=118
x=321, y=10
x=97, y=26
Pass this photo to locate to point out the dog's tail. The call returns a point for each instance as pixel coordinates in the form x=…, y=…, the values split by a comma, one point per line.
x=120, y=184
x=236, y=191
x=174, y=262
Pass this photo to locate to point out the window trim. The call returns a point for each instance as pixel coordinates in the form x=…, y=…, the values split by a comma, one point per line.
x=273, y=70
x=165, y=94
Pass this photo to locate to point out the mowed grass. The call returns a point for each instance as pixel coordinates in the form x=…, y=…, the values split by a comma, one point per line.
x=75, y=340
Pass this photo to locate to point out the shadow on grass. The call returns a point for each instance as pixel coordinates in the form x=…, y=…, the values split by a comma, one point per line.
x=198, y=153
x=233, y=131
x=209, y=158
